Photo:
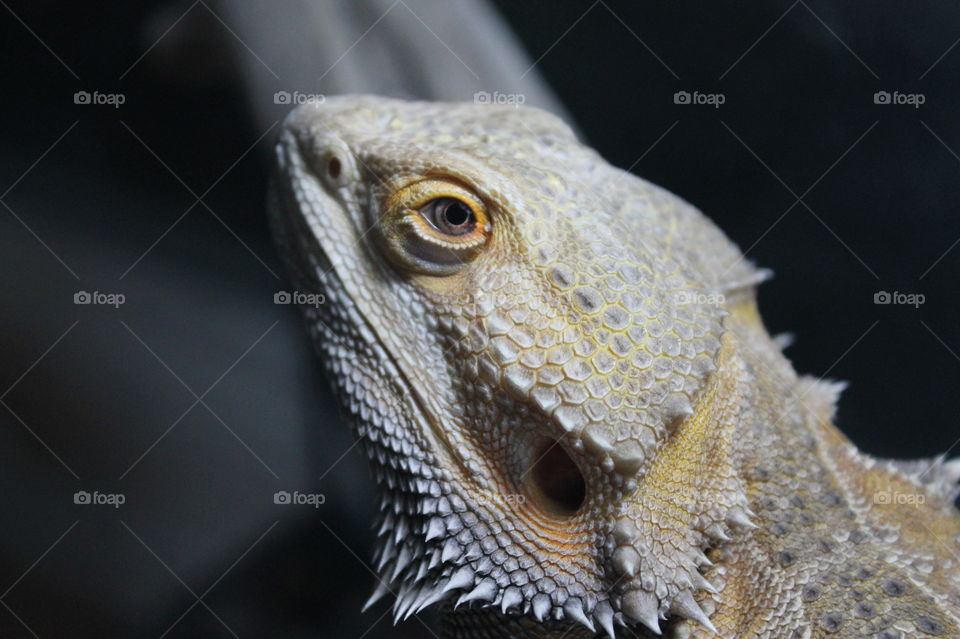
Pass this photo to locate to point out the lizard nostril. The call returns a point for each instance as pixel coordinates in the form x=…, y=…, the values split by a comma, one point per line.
x=557, y=485
x=333, y=167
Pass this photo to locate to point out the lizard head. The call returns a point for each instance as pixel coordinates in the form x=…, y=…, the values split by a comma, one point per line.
x=518, y=328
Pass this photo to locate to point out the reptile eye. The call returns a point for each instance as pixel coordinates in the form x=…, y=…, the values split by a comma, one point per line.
x=450, y=216
x=433, y=227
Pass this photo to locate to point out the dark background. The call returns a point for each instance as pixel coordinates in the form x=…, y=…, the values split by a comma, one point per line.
x=89, y=389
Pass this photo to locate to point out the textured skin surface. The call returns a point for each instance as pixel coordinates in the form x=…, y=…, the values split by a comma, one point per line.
x=577, y=420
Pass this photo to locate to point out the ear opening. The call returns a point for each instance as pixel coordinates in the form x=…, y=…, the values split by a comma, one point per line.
x=556, y=484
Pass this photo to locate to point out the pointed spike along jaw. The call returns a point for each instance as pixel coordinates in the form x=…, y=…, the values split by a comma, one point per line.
x=474, y=552
x=573, y=608
x=378, y=593
x=603, y=613
x=626, y=561
x=388, y=553
x=422, y=570
x=435, y=529
x=462, y=578
x=784, y=341
x=511, y=597
x=403, y=560
x=451, y=550
x=541, y=606
x=702, y=584
x=402, y=605
x=435, y=595
x=686, y=606
x=643, y=607
x=716, y=531
x=486, y=590
x=410, y=605
x=738, y=517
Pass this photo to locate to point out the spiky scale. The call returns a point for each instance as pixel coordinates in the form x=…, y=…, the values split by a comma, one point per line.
x=573, y=608
x=451, y=550
x=381, y=589
x=541, y=606
x=462, y=578
x=737, y=516
x=603, y=613
x=643, y=607
x=512, y=597
x=685, y=606
x=435, y=529
x=486, y=590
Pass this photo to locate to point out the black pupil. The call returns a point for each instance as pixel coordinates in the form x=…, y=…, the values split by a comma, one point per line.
x=457, y=213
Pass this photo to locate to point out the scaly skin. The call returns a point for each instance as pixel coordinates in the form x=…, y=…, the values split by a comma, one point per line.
x=575, y=415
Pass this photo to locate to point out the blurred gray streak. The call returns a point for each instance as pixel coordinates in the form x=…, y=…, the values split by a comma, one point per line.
x=413, y=49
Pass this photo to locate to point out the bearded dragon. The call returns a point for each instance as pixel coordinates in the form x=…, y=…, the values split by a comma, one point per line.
x=576, y=418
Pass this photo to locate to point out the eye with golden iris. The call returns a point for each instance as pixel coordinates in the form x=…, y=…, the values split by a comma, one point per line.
x=434, y=227
x=450, y=216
